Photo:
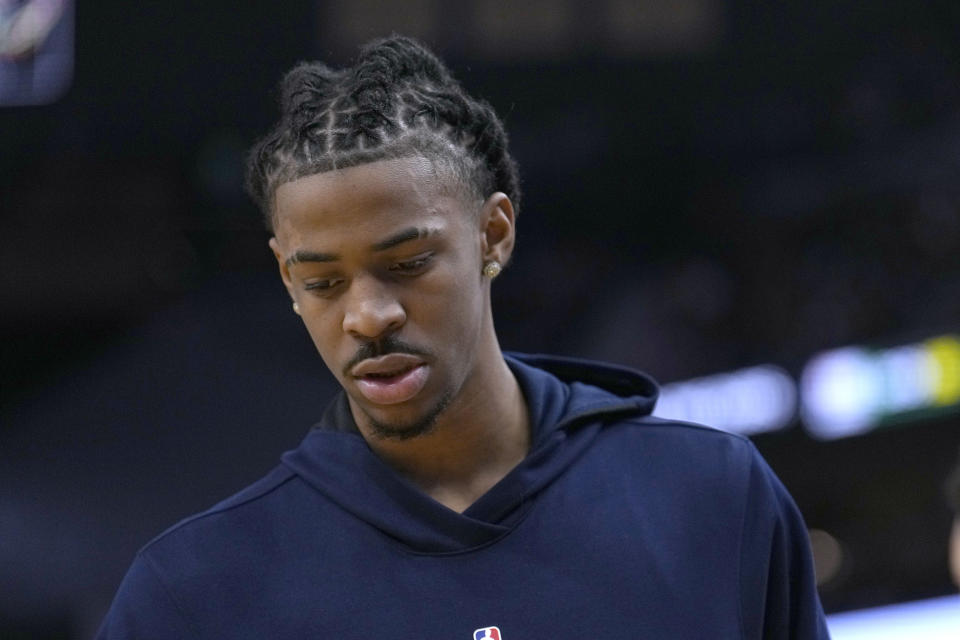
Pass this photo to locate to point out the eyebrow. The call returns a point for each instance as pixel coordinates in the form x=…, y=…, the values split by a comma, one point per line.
x=404, y=235
x=302, y=255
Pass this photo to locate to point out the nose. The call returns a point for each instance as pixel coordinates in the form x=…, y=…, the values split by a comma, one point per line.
x=371, y=310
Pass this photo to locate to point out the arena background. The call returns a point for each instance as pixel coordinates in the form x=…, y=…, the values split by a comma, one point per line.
x=710, y=185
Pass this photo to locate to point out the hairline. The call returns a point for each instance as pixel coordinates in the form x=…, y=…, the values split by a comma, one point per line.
x=448, y=166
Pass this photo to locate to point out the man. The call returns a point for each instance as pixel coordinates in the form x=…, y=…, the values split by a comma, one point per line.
x=452, y=491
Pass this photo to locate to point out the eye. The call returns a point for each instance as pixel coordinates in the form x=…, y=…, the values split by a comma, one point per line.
x=412, y=267
x=322, y=286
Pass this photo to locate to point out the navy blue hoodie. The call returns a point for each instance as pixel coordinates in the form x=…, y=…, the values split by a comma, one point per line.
x=616, y=525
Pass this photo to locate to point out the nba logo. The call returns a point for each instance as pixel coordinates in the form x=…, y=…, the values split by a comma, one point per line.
x=487, y=632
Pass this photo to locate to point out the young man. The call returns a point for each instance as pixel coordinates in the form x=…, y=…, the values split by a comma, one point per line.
x=452, y=491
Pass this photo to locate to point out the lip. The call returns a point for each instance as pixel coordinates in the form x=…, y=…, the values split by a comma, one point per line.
x=390, y=363
x=394, y=389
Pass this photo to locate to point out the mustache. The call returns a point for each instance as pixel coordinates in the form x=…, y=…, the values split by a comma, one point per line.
x=382, y=347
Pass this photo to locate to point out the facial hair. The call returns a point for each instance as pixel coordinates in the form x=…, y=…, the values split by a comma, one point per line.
x=421, y=427
x=387, y=431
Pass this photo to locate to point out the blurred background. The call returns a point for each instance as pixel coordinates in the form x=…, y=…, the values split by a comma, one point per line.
x=757, y=203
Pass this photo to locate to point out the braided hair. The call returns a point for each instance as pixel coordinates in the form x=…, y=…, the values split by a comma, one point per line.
x=397, y=101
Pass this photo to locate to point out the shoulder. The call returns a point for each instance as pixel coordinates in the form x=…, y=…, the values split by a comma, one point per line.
x=693, y=447
x=159, y=594
x=715, y=473
x=705, y=461
x=676, y=472
x=255, y=502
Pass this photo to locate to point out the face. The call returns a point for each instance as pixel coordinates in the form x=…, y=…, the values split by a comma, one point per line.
x=385, y=265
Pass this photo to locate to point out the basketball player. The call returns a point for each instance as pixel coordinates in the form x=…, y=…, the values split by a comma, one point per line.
x=453, y=490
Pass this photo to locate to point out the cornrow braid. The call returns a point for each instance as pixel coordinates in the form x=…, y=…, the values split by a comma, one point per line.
x=399, y=100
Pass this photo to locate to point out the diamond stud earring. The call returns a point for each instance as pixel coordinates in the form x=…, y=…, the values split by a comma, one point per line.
x=492, y=269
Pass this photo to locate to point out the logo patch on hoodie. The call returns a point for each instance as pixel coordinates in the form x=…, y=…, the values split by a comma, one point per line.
x=487, y=632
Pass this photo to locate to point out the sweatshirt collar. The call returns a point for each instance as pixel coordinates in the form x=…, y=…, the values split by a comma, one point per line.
x=565, y=417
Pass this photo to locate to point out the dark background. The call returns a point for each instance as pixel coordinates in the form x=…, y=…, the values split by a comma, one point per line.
x=708, y=185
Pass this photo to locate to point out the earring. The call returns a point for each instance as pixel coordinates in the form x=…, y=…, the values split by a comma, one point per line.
x=296, y=308
x=492, y=269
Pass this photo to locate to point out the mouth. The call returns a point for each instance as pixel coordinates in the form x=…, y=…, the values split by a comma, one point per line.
x=391, y=379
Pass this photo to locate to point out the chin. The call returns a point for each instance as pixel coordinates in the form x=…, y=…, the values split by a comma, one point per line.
x=385, y=429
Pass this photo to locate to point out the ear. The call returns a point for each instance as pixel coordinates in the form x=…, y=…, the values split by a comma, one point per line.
x=497, y=228
x=282, y=263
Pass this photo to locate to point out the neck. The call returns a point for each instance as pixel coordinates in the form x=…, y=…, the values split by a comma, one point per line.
x=477, y=440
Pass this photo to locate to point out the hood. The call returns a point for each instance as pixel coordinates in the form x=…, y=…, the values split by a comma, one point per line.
x=569, y=401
